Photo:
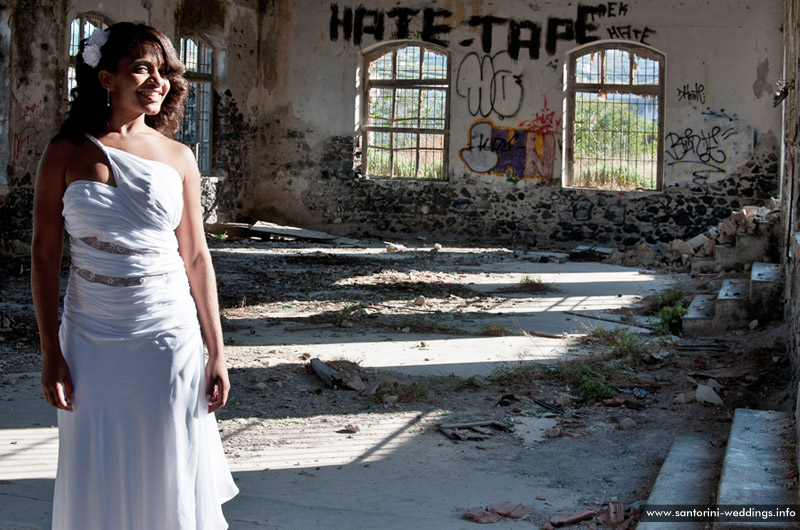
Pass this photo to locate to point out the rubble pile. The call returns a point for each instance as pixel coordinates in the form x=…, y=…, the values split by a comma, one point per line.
x=678, y=255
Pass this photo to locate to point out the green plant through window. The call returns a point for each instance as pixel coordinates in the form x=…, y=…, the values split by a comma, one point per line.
x=615, y=117
x=404, y=129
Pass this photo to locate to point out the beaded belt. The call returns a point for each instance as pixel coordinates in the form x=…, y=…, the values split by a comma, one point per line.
x=118, y=281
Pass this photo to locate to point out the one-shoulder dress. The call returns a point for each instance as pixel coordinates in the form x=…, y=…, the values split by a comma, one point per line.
x=140, y=451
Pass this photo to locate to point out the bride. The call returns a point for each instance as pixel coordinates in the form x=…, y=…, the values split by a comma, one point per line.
x=138, y=443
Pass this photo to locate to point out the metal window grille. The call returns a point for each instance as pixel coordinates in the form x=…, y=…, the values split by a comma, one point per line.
x=195, y=129
x=81, y=28
x=405, y=119
x=615, y=117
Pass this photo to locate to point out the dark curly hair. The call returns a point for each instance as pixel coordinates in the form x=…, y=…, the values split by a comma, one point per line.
x=88, y=112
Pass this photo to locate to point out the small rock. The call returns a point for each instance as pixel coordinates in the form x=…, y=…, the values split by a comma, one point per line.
x=355, y=383
x=437, y=246
x=352, y=428
x=706, y=394
x=615, y=258
x=713, y=383
x=553, y=432
x=420, y=300
x=478, y=381
x=389, y=398
x=754, y=324
x=680, y=246
x=683, y=398
x=627, y=424
x=259, y=386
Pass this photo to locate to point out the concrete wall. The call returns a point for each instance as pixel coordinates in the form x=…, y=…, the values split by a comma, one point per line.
x=285, y=89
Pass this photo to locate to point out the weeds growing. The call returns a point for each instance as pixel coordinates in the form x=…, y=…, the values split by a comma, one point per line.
x=530, y=285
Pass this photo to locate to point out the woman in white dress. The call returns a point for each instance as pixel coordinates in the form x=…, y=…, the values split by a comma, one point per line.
x=138, y=443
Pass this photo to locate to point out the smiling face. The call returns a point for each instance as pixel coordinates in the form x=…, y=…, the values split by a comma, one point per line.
x=139, y=85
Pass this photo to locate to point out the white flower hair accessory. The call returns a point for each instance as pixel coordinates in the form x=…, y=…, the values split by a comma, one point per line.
x=91, y=48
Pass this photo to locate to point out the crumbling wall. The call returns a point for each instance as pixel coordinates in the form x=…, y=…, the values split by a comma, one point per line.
x=720, y=140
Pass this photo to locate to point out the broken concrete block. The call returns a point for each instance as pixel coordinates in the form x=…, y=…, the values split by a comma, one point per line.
x=706, y=394
x=708, y=247
x=739, y=217
x=680, y=246
x=697, y=242
x=644, y=251
x=729, y=228
x=614, y=259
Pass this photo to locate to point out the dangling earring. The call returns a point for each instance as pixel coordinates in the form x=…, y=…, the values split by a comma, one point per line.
x=108, y=98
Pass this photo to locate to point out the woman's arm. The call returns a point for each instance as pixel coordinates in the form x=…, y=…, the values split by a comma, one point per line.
x=202, y=281
x=48, y=233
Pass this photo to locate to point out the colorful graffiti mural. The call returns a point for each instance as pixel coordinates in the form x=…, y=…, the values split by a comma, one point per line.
x=515, y=153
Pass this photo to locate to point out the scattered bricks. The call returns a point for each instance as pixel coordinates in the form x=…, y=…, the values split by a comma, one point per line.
x=614, y=515
x=572, y=519
x=512, y=511
x=479, y=515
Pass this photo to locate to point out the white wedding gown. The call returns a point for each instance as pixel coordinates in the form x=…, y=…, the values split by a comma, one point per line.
x=140, y=451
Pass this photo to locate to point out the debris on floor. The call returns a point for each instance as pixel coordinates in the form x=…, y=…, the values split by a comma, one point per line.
x=475, y=431
x=492, y=513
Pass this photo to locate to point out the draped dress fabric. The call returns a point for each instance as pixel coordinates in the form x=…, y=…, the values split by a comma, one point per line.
x=140, y=451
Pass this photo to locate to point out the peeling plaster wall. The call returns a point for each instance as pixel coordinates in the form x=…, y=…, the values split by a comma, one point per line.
x=721, y=132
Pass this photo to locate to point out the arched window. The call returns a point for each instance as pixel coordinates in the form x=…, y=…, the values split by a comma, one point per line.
x=404, y=119
x=80, y=28
x=195, y=131
x=615, y=117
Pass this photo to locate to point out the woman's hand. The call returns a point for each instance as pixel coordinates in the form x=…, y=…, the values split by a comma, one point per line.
x=57, y=382
x=217, y=384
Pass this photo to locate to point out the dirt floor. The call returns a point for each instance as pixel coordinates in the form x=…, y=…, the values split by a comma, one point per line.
x=591, y=428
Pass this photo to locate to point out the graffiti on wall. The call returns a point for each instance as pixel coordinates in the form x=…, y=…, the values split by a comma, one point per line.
x=696, y=93
x=545, y=121
x=516, y=153
x=431, y=25
x=25, y=143
x=489, y=85
x=703, y=150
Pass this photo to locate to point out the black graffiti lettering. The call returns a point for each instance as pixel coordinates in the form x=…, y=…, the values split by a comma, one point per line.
x=701, y=149
x=501, y=144
x=623, y=9
x=486, y=24
x=346, y=22
x=403, y=16
x=582, y=27
x=630, y=33
x=698, y=93
x=429, y=27
x=534, y=43
x=375, y=29
x=553, y=34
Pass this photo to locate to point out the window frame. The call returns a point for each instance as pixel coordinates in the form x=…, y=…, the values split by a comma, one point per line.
x=572, y=87
x=98, y=20
x=199, y=78
x=365, y=84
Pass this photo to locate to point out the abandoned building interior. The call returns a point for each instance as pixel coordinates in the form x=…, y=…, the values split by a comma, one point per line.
x=469, y=253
